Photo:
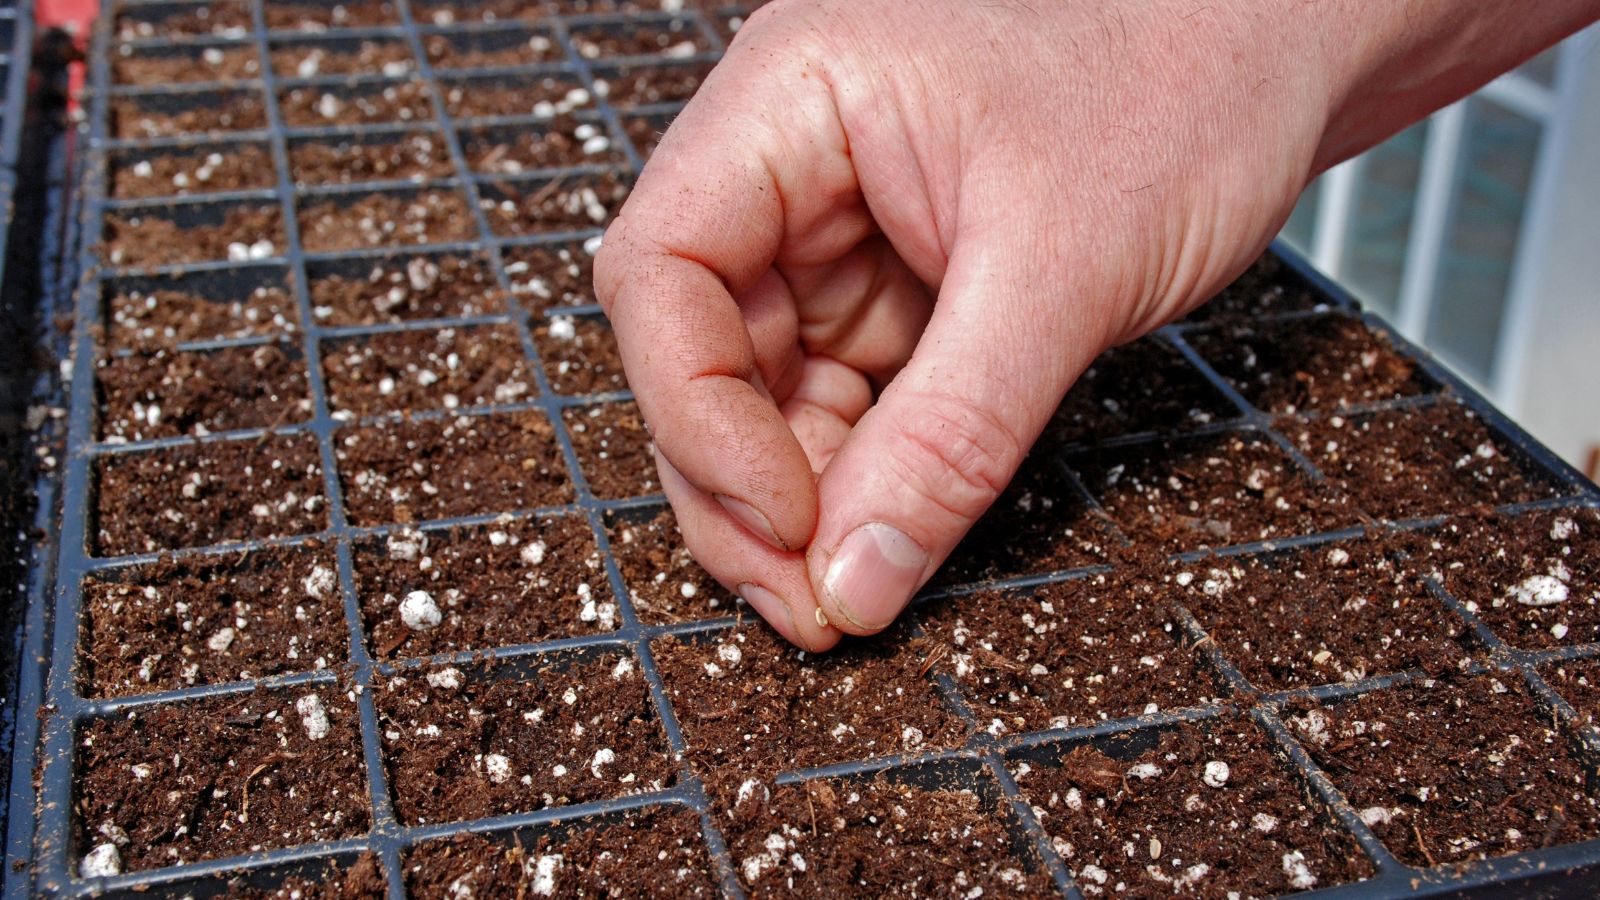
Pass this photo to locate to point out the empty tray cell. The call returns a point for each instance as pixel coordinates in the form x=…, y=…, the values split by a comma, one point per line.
x=182, y=782
x=1267, y=288
x=390, y=218
x=1314, y=363
x=541, y=96
x=550, y=276
x=748, y=700
x=1211, y=491
x=646, y=132
x=386, y=156
x=199, y=620
x=390, y=57
x=221, y=18
x=194, y=232
x=673, y=38
x=1331, y=614
x=137, y=117
x=919, y=832
x=1414, y=462
x=549, y=205
x=498, y=48
x=402, y=289
x=192, y=495
x=449, y=12
x=580, y=355
x=499, y=585
x=202, y=306
x=1142, y=387
x=1067, y=655
x=1041, y=523
x=1448, y=772
x=664, y=582
x=419, y=369
x=643, y=85
x=614, y=449
x=1578, y=683
x=408, y=471
x=174, y=393
x=561, y=142
x=360, y=103
x=202, y=169
x=1533, y=579
x=1202, y=809
x=179, y=64
x=318, y=17
x=635, y=853
x=496, y=740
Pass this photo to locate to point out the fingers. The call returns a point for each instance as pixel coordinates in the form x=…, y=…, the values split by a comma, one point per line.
x=774, y=583
x=946, y=435
x=826, y=403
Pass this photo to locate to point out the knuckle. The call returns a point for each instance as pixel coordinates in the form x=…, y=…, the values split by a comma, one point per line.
x=955, y=454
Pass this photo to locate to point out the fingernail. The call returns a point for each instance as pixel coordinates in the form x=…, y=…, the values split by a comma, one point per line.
x=752, y=519
x=769, y=605
x=873, y=574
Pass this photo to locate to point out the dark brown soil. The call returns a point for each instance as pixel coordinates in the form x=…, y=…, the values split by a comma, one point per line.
x=1067, y=655
x=321, y=16
x=234, y=62
x=416, y=156
x=1159, y=818
x=512, y=582
x=404, y=371
x=180, y=173
x=1409, y=463
x=406, y=289
x=614, y=450
x=450, y=12
x=650, y=852
x=629, y=86
x=646, y=133
x=164, y=317
x=493, y=745
x=674, y=39
x=1040, y=524
x=170, y=393
x=362, y=880
x=551, y=276
x=377, y=220
x=563, y=142
x=1141, y=387
x=1231, y=488
x=222, y=17
x=1578, y=683
x=750, y=704
x=1317, y=363
x=197, y=494
x=545, y=96
x=580, y=355
x=209, y=113
x=397, y=101
x=439, y=468
x=873, y=838
x=491, y=50
x=663, y=580
x=570, y=203
x=1338, y=613
x=366, y=57
x=1533, y=579
x=1260, y=291
x=200, y=620
x=145, y=239
x=1449, y=772
x=178, y=783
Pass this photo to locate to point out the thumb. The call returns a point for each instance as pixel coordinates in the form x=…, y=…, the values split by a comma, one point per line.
x=946, y=435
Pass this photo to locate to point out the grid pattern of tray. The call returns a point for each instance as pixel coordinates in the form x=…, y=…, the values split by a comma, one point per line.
x=16, y=52
x=43, y=835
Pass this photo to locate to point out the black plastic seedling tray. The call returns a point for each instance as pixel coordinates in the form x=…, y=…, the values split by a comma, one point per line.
x=45, y=849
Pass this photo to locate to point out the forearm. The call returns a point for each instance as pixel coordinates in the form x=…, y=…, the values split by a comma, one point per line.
x=1394, y=62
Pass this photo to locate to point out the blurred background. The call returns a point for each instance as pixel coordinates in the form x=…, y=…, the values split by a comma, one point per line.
x=1477, y=233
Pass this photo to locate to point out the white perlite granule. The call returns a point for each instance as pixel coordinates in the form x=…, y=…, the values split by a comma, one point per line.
x=321, y=582
x=544, y=874
x=449, y=679
x=498, y=768
x=102, y=861
x=1216, y=774
x=419, y=612
x=313, y=716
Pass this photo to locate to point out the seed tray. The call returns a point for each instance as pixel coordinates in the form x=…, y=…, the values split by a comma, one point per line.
x=16, y=54
x=630, y=603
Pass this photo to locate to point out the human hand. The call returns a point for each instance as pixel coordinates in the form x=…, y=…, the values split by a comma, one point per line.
x=873, y=253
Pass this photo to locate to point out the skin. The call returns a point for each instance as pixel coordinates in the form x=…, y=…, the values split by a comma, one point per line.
x=873, y=253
